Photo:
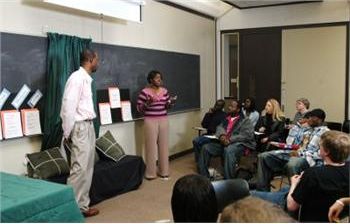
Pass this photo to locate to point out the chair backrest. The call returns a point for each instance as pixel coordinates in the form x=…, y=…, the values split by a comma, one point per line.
x=229, y=191
x=346, y=126
x=334, y=126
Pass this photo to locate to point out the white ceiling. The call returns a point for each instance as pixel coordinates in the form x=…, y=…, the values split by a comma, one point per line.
x=217, y=8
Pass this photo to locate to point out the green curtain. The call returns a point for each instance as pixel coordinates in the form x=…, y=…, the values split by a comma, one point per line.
x=63, y=58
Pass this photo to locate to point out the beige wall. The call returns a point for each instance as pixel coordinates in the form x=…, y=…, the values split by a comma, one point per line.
x=327, y=11
x=313, y=66
x=163, y=28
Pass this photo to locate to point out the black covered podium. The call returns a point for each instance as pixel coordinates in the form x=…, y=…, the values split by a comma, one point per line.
x=111, y=179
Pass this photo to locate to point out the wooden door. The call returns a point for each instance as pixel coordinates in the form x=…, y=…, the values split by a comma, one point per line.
x=260, y=65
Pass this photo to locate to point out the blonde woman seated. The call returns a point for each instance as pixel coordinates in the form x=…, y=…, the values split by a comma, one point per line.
x=270, y=127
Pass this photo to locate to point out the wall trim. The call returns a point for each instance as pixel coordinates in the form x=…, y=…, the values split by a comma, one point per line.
x=272, y=4
x=180, y=154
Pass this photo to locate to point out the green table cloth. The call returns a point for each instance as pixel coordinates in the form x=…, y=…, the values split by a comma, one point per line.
x=30, y=200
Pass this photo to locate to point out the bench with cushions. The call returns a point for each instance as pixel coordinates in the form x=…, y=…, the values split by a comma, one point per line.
x=111, y=179
x=114, y=172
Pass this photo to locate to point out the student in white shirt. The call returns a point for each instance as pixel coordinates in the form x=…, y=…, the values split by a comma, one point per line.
x=77, y=113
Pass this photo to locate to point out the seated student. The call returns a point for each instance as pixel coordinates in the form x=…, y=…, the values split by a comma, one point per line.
x=270, y=126
x=210, y=121
x=296, y=134
x=272, y=162
x=194, y=200
x=250, y=111
x=252, y=209
x=302, y=106
x=318, y=187
x=234, y=134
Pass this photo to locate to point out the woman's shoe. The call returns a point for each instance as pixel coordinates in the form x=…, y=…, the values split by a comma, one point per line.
x=150, y=178
x=165, y=178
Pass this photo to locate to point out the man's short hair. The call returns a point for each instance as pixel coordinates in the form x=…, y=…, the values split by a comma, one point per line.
x=87, y=55
x=337, y=144
x=319, y=113
x=253, y=209
x=304, y=101
x=221, y=103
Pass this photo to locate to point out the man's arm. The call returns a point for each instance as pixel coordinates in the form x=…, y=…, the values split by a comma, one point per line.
x=70, y=102
x=292, y=205
x=246, y=132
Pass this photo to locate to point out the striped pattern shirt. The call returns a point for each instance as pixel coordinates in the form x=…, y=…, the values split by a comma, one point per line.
x=158, y=107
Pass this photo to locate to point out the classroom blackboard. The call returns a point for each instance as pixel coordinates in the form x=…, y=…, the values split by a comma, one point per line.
x=23, y=61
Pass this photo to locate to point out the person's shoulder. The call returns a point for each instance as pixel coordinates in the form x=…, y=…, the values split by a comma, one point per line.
x=75, y=77
x=321, y=129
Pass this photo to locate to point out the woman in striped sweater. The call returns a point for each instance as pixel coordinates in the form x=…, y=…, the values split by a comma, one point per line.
x=153, y=102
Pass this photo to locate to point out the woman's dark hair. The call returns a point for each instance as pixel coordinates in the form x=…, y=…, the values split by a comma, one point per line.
x=153, y=74
x=252, y=104
x=194, y=200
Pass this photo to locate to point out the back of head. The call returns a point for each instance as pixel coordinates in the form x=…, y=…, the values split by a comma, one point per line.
x=252, y=209
x=194, y=200
x=336, y=144
x=86, y=56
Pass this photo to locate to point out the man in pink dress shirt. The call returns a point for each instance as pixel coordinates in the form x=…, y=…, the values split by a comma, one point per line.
x=77, y=113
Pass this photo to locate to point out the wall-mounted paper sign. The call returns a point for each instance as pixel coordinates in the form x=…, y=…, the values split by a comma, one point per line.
x=21, y=96
x=126, y=111
x=11, y=124
x=114, y=97
x=31, y=121
x=35, y=98
x=3, y=97
x=0, y=132
x=105, y=113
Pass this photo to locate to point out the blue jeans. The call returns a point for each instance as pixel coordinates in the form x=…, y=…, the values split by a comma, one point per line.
x=278, y=161
x=231, y=155
x=198, y=142
x=279, y=198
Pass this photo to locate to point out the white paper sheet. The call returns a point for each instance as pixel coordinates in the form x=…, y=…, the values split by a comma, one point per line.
x=31, y=122
x=11, y=124
x=126, y=111
x=35, y=98
x=0, y=132
x=105, y=113
x=21, y=96
x=3, y=97
x=114, y=97
x=210, y=136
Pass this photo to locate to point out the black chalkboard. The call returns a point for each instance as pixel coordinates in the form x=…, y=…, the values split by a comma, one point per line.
x=23, y=61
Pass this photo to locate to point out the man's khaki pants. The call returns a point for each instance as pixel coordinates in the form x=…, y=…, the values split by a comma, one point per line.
x=82, y=148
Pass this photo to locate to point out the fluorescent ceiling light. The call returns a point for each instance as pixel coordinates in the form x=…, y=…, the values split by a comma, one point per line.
x=214, y=8
x=122, y=9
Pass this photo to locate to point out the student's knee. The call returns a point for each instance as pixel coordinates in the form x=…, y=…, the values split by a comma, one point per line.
x=264, y=156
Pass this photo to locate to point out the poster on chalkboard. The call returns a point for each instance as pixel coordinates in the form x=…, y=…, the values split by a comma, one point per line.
x=114, y=97
x=4, y=95
x=11, y=124
x=21, y=96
